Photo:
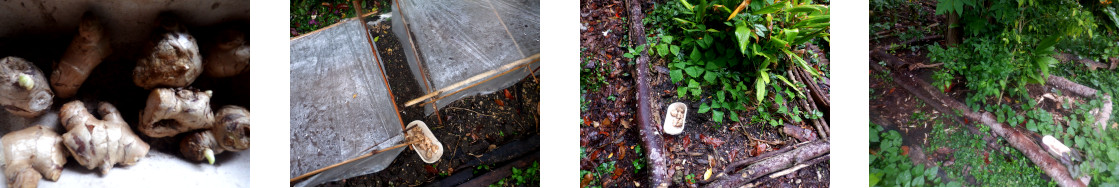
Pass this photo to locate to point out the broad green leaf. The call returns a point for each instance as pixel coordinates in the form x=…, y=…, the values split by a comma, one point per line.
x=791, y=34
x=696, y=55
x=760, y=89
x=818, y=25
x=677, y=75
x=817, y=19
x=778, y=43
x=709, y=77
x=1113, y=154
x=662, y=49
x=733, y=116
x=790, y=84
x=801, y=62
x=681, y=91
x=694, y=72
x=803, y=8
x=1110, y=12
x=694, y=87
x=1046, y=46
x=703, y=108
x=674, y=49
x=718, y=115
x=959, y=6
x=707, y=39
x=686, y=4
x=682, y=21
x=667, y=39
x=764, y=75
x=702, y=42
x=771, y=8
x=1031, y=126
x=742, y=32
x=873, y=136
x=874, y=179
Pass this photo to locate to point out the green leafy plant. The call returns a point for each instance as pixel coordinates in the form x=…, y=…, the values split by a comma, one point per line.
x=889, y=167
x=750, y=52
x=311, y=15
x=952, y=6
x=638, y=163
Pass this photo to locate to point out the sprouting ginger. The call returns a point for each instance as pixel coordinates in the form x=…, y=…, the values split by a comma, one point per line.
x=31, y=154
x=229, y=57
x=173, y=111
x=100, y=143
x=229, y=133
x=86, y=51
x=24, y=88
x=173, y=62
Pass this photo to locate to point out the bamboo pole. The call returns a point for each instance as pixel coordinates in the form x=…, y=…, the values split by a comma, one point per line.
x=457, y=87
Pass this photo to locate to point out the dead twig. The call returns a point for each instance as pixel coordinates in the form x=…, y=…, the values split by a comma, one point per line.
x=476, y=112
x=916, y=66
x=815, y=161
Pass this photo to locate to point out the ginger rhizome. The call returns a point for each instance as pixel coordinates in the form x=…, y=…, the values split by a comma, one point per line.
x=174, y=61
x=86, y=51
x=26, y=92
x=422, y=143
x=171, y=111
x=229, y=133
x=31, y=154
x=229, y=57
x=100, y=142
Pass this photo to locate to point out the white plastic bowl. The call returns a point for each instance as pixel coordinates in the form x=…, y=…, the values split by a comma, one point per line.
x=669, y=120
x=427, y=133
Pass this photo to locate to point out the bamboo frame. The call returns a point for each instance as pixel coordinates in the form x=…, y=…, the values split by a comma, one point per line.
x=458, y=87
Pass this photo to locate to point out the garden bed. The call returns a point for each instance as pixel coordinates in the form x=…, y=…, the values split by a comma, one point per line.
x=613, y=152
x=469, y=129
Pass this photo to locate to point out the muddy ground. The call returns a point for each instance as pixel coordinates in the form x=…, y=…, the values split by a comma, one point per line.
x=468, y=128
x=609, y=133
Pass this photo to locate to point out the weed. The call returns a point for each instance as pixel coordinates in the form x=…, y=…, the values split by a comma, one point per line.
x=716, y=54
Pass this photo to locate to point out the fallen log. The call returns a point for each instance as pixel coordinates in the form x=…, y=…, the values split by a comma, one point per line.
x=944, y=103
x=818, y=97
x=1091, y=64
x=1103, y=114
x=803, y=103
x=774, y=162
x=458, y=178
x=504, y=153
x=650, y=133
x=500, y=173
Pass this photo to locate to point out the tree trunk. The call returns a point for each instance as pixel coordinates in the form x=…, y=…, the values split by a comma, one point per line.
x=954, y=26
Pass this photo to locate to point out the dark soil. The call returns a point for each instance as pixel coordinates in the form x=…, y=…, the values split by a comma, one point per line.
x=609, y=130
x=468, y=128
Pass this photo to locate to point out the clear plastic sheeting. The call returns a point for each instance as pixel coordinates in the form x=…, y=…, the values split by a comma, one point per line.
x=340, y=105
x=459, y=39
